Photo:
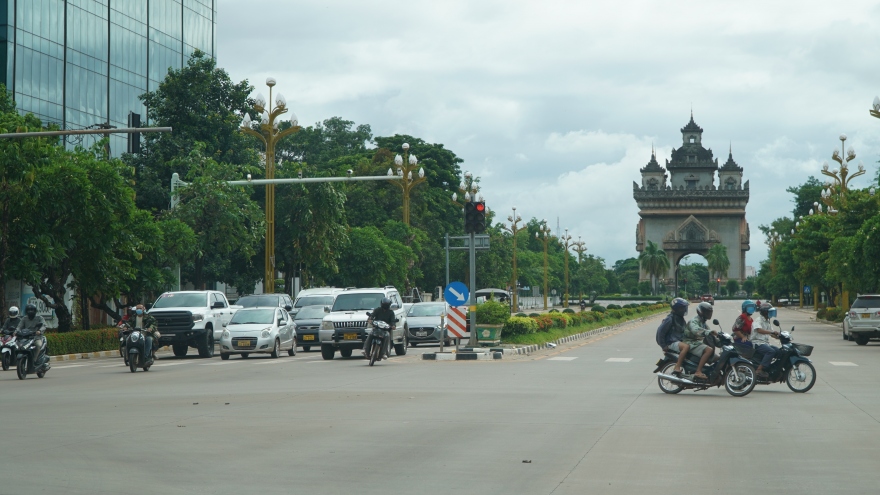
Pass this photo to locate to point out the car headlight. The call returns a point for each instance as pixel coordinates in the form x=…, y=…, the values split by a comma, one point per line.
x=265, y=333
x=225, y=334
x=197, y=317
x=326, y=325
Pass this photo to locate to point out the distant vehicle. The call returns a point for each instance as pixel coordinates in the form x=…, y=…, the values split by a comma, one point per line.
x=192, y=319
x=321, y=296
x=862, y=323
x=427, y=323
x=265, y=301
x=264, y=330
x=708, y=298
x=307, y=323
x=345, y=327
x=499, y=295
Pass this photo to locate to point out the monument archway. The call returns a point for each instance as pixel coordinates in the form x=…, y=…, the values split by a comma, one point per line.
x=683, y=211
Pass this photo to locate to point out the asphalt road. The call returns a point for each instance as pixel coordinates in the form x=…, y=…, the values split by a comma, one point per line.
x=584, y=418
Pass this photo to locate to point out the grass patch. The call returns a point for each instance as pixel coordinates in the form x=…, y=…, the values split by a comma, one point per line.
x=553, y=334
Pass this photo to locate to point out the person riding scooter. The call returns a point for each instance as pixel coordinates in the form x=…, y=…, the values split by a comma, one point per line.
x=32, y=323
x=696, y=330
x=382, y=313
x=11, y=323
x=149, y=326
x=670, y=333
x=761, y=338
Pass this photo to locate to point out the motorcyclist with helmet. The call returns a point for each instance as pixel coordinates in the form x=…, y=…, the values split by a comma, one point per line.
x=32, y=323
x=670, y=333
x=761, y=338
x=696, y=330
x=742, y=330
x=148, y=325
x=11, y=322
x=386, y=314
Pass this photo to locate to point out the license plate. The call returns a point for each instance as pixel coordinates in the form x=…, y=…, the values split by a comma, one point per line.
x=866, y=315
x=308, y=337
x=421, y=334
x=350, y=336
x=244, y=343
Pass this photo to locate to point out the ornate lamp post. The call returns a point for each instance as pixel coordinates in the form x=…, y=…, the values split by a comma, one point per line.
x=514, y=220
x=406, y=168
x=773, y=240
x=566, y=243
x=469, y=189
x=268, y=133
x=580, y=248
x=543, y=235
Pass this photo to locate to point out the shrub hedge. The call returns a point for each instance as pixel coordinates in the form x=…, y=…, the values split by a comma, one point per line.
x=518, y=325
x=568, y=310
x=101, y=339
x=599, y=308
x=492, y=313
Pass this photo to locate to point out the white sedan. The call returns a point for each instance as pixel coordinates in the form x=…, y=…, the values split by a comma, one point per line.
x=264, y=330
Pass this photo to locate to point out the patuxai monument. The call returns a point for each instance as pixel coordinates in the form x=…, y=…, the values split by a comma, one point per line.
x=685, y=210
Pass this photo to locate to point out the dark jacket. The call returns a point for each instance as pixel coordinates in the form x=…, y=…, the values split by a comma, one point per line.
x=671, y=330
x=10, y=325
x=385, y=315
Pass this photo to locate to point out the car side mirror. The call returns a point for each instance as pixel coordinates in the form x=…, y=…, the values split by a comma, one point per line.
x=280, y=321
x=776, y=323
x=288, y=307
x=217, y=305
x=326, y=309
x=395, y=307
x=715, y=322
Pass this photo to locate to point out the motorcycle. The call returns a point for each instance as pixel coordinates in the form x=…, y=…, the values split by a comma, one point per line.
x=378, y=336
x=790, y=365
x=7, y=351
x=124, y=331
x=30, y=354
x=136, y=351
x=736, y=373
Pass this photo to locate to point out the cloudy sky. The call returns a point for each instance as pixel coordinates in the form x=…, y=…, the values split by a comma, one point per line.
x=556, y=104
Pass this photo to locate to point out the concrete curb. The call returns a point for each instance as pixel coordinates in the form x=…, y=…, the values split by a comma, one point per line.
x=461, y=356
x=91, y=355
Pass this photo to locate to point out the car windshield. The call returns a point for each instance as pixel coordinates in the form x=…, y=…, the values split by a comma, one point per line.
x=245, y=316
x=427, y=310
x=313, y=301
x=866, y=302
x=257, y=301
x=310, y=313
x=358, y=302
x=182, y=300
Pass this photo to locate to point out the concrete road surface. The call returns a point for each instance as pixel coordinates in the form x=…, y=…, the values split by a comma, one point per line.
x=586, y=418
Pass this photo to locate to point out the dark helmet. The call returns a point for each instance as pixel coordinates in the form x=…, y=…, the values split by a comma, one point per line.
x=765, y=310
x=386, y=303
x=705, y=310
x=30, y=310
x=13, y=311
x=680, y=306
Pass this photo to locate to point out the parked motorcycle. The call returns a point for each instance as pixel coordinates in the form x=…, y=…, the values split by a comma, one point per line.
x=736, y=373
x=790, y=365
x=30, y=354
x=136, y=351
x=378, y=336
x=7, y=351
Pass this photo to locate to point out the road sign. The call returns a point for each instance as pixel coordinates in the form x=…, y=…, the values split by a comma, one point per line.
x=456, y=294
x=456, y=322
x=806, y=289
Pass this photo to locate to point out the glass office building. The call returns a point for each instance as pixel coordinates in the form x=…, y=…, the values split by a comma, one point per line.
x=81, y=63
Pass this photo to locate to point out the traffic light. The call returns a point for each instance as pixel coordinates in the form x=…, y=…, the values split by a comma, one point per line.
x=475, y=217
x=718, y=280
x=134, y=139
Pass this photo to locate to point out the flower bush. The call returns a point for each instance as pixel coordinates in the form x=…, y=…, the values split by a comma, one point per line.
x=519, y=325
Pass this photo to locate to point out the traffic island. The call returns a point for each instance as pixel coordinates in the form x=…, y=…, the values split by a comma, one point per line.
x=465, y=354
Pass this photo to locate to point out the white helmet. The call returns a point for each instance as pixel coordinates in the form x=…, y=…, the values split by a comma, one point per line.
x=13, y=311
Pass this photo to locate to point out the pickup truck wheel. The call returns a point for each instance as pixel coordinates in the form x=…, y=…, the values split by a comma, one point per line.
x=179, y=349
x=346, y=353
x=327, y=352
x=206, y=344
x=400, y=349
x=276, y=349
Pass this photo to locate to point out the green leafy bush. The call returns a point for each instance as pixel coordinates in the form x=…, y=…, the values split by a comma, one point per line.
x=614, y=313
x=102, y=339
x=613, y=306
x=521, y=315
x=821, y=313
x=518, y=325
x=599, y=308
x=553, y=311
x=532, y=315
x=544, y=322
x=628, y=311
x=568, y=310
x=492, y=313
x=560, y=320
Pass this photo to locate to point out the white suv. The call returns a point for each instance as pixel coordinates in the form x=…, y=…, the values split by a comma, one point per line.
x=862, y=323
x=344, y=328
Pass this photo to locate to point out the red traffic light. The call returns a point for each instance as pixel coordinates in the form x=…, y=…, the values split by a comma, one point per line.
x=481, y=207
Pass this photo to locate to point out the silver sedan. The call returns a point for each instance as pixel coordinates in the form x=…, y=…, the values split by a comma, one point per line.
x=263, y=330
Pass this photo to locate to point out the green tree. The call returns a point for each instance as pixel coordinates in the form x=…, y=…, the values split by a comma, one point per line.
x=654, y=262
x=645, y=287
x=805, y=195
x=717, y=260
x=589, y=275
x=368, y=261
x=732, y=286
x=749, y=286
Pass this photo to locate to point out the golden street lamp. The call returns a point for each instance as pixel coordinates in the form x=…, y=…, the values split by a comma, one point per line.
x=469, y=189
x=773, y=240
x=514, y=220
x=580, y=248
x=543, y=235
x=406, y=168
x=268, y=133
x=566, y=244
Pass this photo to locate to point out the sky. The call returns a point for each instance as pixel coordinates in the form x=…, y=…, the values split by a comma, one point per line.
x=556, y=105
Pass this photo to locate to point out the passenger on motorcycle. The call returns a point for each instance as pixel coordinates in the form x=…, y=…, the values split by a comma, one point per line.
x=670, y=333
x=696, y=331
x=761, y=339
x=32, y=322
x=148, y=325
x=742, y=328
x=11, y=322
x=382, y=313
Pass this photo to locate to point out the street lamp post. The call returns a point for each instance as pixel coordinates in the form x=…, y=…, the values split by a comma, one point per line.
x=268, y=133
x=566, y=244
x=580, y=248
x=469, y=189
x=406, y=168
x=543, y=235
x=773, y=241
x=514, y=220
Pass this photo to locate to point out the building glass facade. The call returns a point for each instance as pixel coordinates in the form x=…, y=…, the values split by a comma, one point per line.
x=80, y=63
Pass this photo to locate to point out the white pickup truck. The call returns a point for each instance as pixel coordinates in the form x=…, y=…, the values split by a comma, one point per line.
x=192, y=319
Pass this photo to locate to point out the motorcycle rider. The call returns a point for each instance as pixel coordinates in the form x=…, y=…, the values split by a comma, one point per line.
x=148, y=325
x=696, y=330
x=32, y=322
x=11, y=323
x=670, y=333
x=742, y=329
x=382, y=313
x=761, y=339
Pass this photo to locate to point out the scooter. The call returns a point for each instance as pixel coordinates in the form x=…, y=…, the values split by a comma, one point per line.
x=736, y=373
x=136, y=351
x=7, y=351
x=378, y=337
x=790, y=365
x=30, y=354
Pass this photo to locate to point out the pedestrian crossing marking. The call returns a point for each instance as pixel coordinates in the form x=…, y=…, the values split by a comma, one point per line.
x=842, y=363
x=560, y=358
x=618, y=360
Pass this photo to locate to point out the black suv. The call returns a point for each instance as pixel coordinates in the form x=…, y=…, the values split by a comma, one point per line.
x=265, y=301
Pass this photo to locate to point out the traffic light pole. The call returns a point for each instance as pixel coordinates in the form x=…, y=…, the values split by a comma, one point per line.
x=472, y=251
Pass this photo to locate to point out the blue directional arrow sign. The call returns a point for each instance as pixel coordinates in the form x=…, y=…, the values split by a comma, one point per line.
x=456, y=294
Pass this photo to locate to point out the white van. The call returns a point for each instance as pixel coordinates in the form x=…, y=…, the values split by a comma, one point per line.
x=320, y=296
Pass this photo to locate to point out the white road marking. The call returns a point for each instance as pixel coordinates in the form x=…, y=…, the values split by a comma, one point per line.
x=215, y=364
x=842, y=363
x=273, y=361
x=313, y=362
x=560, y=358
x=618, y=360
x=172, y=364
x=69, y=366
x=113, y=366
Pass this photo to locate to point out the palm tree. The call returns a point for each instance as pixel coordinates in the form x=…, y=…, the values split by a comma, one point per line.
x=654, y=262
x=717, y=260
